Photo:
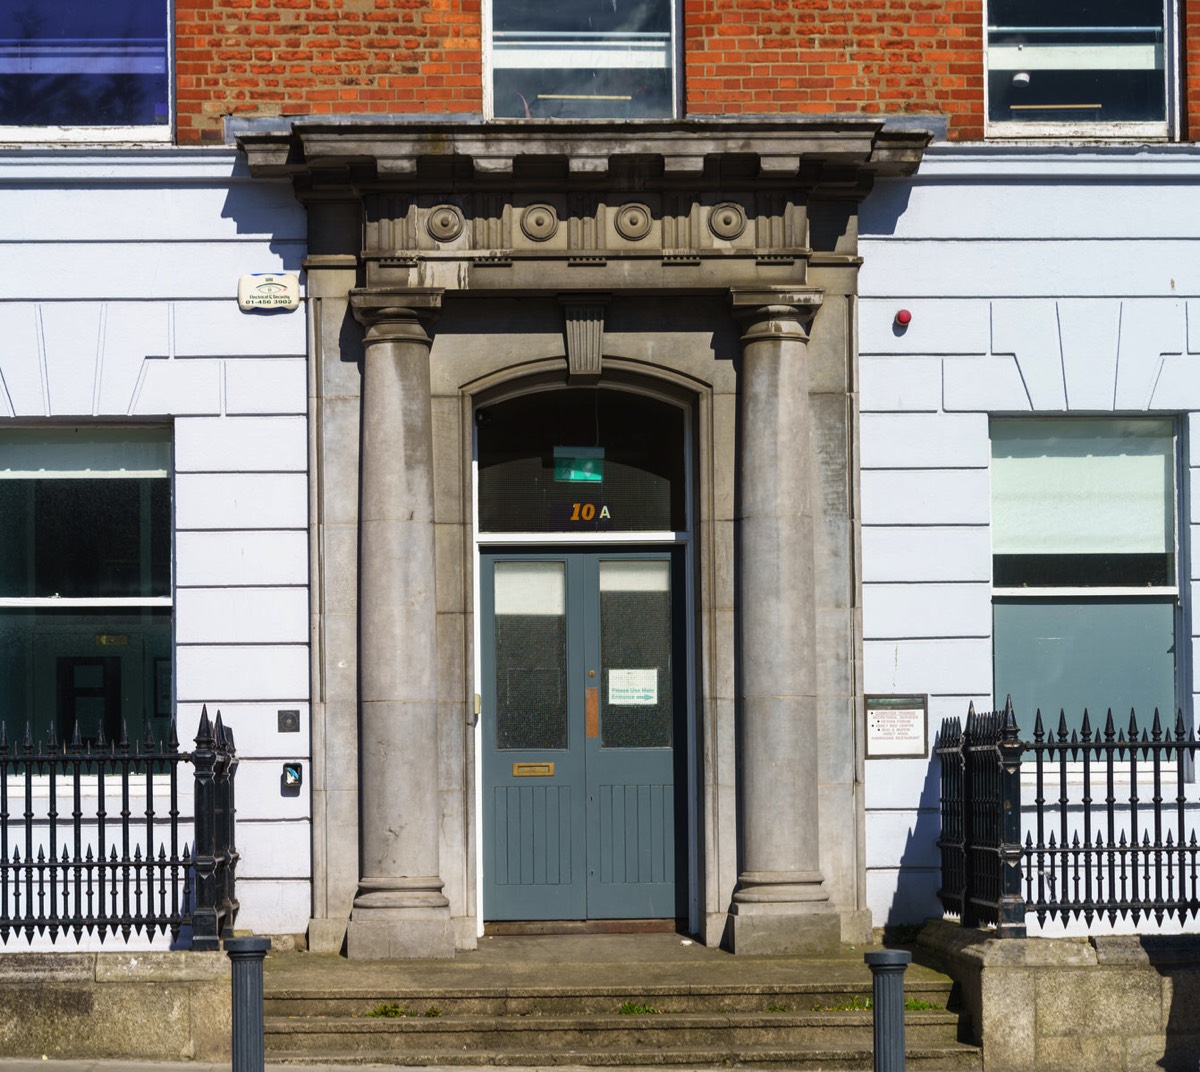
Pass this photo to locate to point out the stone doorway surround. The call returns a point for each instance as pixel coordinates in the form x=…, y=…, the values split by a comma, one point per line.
x=716, y=259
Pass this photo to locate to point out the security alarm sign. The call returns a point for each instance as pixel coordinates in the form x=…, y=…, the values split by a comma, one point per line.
x=266, y=292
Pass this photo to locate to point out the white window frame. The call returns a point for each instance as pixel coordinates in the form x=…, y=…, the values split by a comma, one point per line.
x=675, y=52
x=156, y=133
x=103, y=603
x=1182, y=694
x=1167, y=130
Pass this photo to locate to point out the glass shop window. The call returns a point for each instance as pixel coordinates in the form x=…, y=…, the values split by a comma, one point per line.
x=85, y=70
x=85, y=582
x=1090, y=66
x=588, y=59
x=1085, y=591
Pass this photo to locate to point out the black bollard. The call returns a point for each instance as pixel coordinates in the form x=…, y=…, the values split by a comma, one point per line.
x=246, y=956
x=887, y=971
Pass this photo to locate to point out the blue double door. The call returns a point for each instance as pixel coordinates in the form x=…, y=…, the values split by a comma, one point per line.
x=584, y=699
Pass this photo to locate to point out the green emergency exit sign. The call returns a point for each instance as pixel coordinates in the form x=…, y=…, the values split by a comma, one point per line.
x=579, y=465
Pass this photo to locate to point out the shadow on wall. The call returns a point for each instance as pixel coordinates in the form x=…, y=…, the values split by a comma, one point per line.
x=915, y=899
x=881, y=210
x=269, y=210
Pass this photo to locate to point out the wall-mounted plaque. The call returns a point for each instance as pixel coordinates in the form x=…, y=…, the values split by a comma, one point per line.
x=897, y=726
x=265, y=292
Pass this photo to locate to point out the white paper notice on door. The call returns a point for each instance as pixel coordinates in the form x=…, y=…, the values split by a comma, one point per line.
x=633, y=688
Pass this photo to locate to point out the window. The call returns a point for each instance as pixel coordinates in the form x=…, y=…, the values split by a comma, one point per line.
x=1085, y=595
x=84, y=70
x=1093, y=66
x=588, y=59
x=85, y=581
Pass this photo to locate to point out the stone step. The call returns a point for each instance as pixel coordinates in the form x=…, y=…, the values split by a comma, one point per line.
x=950, y=1057
x=595, y=1034
x=593, y=1001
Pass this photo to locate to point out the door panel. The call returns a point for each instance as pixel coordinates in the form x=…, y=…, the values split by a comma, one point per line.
x=582, y=705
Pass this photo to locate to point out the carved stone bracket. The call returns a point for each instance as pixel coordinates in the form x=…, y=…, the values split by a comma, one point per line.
x=585, y=334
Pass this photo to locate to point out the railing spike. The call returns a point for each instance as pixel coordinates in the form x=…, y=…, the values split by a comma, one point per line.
x=173, y=737
x=1087, y=727
x=123, y=743
x=1062, y=725
x=1156, y=730
x=148, y=738
x=76, y=739
x=1133, y=726
x=1039, y=734
x=3, y=737
x=1110, y=729
x=101, y=742
x=52, y=738
x=1180, y=732
x=27, y=744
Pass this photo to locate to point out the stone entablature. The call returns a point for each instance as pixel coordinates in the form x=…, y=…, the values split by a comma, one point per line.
x=692, y=206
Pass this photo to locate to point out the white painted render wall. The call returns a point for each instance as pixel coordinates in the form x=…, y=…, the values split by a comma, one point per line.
x=1040, y=282
x=118, y=283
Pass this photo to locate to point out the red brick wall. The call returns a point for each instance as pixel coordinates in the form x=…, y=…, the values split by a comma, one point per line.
x=315, y=57
x=816, y=57
x=1189, y=21
x=304, y=57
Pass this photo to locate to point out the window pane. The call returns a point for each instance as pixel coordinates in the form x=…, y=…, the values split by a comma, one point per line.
x=1085, y=62
x=85, y=538
x=637, y=441
x=531, y=655
x=1070, y=654
x=84, y=63
x=592, y=59
x=1074, y=495
x=637, y=706
x=94, y=667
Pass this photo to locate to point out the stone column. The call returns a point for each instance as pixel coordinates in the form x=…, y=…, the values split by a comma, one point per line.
x=781, y=904
x=399, y=910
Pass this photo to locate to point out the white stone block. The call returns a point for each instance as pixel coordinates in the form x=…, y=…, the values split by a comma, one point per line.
x=946, y=666
x=21, y=361
x=266, y=385
x=926, y=553
x=1178, y=385
x=926, y=497
x=170, y=387
x=1090, y=332
x=220, y=674
x=985, y=384
x=924, y=441
x=255, y=728
x=905, y=838
x=221, y=329
x=902, y=896
x=900, y=384
x=1193, y=326
x=272, y=849
x=111, y=271
x=1149, y=329
x=133, y=331
x=241, y=444
x=241, y=615
x=260, y=791
x=937, y=327
x=241, y=501
x=901, y=611
x=264, y=557
x=274, y=906
x=72, y=339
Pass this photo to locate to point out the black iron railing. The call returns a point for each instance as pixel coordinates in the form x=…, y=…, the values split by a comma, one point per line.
x=94, y=838
x=1106, y=827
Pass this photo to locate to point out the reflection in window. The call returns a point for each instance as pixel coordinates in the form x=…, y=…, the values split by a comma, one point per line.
x=589, y=59
x=1085, y=63
x=1084, y=572
x=85, y=582
x=79, y=63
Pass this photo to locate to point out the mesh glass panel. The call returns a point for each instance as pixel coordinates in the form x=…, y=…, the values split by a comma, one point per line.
x=637, y=706
x=531, y=655
x=643, y=463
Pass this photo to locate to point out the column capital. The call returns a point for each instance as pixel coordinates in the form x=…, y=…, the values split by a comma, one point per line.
x=775, y=312
x=397, y=313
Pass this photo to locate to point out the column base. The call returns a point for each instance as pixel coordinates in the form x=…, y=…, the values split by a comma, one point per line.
x=400, y=919
x=795, y=928
x=326, y=935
